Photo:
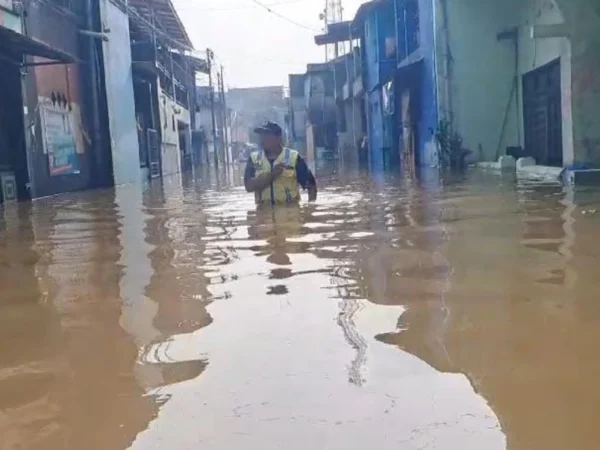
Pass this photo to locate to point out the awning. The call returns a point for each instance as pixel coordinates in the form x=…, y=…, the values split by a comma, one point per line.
x=18, y=44
x=336, y=32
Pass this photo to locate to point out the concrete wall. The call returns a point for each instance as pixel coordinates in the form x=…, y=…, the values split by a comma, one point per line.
x=481, y=73
x=485, y=108
x=582, y=18
x=170, y=113
x=348, y=140
x=120, y=97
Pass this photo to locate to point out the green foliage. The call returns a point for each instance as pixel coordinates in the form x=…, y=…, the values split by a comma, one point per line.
x=452, y=154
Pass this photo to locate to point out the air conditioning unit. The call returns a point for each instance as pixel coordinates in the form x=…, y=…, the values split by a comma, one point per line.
x=8, y=187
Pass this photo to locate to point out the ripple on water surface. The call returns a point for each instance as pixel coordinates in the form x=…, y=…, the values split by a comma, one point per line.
x=392, y=315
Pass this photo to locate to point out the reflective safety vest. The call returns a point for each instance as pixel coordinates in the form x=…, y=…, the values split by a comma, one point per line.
x=284, y=190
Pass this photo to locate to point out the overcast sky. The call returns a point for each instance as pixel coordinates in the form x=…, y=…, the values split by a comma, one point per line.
x=256, y=47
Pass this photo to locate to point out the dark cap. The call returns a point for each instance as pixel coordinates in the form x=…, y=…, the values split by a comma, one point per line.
x=269, y=128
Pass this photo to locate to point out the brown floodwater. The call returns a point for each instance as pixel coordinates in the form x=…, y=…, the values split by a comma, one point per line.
x=392, y=314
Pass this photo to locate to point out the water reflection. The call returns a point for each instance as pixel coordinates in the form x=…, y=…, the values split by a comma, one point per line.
x=393, y=313
x=67, y=364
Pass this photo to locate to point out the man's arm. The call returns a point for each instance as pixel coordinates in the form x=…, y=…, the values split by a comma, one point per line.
x=306, y=179
x=254, y=183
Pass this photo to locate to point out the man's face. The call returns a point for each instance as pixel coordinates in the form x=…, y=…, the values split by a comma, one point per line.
x=270, y=141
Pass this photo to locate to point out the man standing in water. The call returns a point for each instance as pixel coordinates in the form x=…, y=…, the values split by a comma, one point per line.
x=275, y=172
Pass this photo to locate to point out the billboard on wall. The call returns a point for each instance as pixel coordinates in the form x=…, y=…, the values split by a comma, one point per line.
x=62, y=138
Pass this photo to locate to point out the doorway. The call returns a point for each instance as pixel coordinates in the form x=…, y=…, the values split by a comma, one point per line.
x=542, y=113
x=14, y=172
x=185, y=149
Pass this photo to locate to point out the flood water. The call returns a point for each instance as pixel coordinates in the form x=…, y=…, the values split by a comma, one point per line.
x=392, y=314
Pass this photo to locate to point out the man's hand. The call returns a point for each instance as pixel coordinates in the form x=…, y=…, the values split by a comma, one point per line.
x=277, y=171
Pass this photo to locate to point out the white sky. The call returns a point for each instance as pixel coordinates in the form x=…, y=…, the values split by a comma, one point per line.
x=256, y=47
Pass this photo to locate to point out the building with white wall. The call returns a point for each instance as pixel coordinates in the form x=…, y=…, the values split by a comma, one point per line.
x=521, y=74
x=252, y=106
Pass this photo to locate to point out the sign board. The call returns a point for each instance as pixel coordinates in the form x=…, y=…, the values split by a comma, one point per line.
x=59, y=139
x=8, y=187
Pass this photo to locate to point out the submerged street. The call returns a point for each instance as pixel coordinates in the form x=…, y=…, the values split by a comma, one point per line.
x=391, y=314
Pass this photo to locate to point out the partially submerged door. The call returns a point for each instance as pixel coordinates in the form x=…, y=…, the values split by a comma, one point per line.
x=153, y=153
x=542, y=109
x=408, y=141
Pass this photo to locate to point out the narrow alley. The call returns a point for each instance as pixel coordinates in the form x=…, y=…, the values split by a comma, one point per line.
x=299, y=224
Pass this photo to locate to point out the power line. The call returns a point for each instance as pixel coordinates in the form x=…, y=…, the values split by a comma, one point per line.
x=298, y=24
x=233, y=8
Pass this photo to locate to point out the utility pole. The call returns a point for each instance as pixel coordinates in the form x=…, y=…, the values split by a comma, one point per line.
x=209, y=56
x=220, y=116
x=225, y=117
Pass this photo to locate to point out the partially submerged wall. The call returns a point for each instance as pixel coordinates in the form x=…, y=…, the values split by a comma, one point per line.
x=477, y=84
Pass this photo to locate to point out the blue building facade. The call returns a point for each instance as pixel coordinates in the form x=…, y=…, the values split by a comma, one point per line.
x=398, y=49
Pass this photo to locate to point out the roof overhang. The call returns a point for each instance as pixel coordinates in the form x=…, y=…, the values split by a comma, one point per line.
x=19, y=45
x=197, y=63
x=168, y=21
x=336, y=32
x=362, y=13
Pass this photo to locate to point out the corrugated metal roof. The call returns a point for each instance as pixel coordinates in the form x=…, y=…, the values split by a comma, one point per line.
x=166, y=18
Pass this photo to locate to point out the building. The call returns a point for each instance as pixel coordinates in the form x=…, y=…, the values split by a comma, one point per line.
x=518, y=81
x=75, y=104
x=210, y=136
x=312, y=112
x=524, y=76
x=50, y=140
x=389, y=83
x=252, y=106
x=164, y=69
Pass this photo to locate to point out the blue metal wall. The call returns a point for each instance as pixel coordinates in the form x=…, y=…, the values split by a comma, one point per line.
x=429, y=110
x=119, y=93
x=375, y=119
x=371, y=53
x=386, y=29
x=378, y=69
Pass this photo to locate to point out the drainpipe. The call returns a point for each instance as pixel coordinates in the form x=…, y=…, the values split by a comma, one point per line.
x=435, y=58
x=28, y=117
x=94, y=85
